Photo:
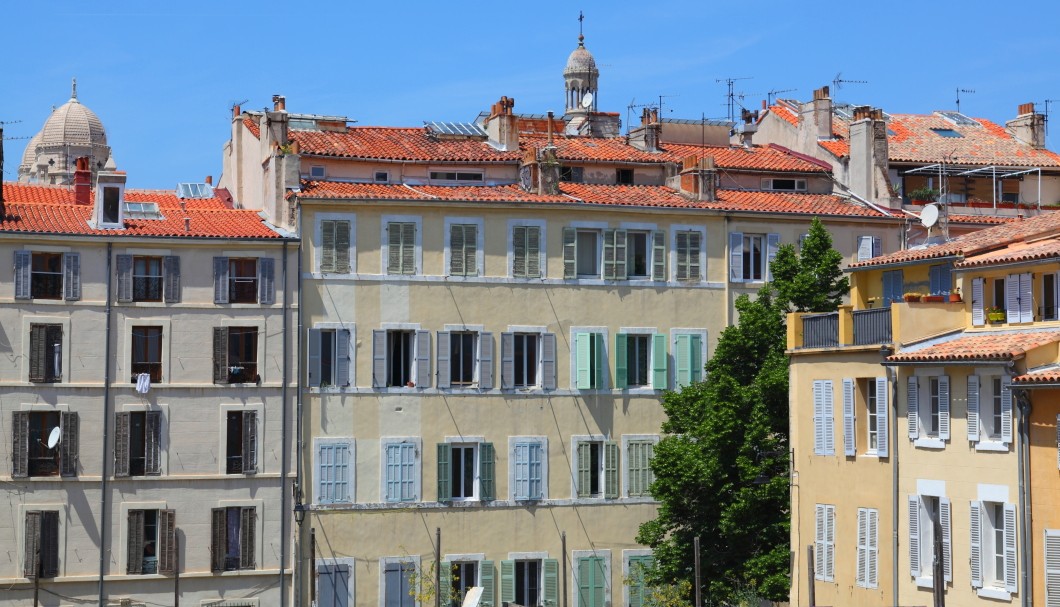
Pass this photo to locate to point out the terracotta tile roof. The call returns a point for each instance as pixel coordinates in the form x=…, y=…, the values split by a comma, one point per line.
x=784, y=202
x=785, y=112
x=593, y=149
x=756, y=158
x=392, y=143
x=1015, y=253
x=1044, y=376
x=252, y=126
x=373, y=191
x=52, y=210
x=978, y=346
x=981, y=219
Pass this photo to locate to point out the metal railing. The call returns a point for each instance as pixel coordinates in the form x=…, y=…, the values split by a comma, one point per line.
x=820, y=330
x=872, y=326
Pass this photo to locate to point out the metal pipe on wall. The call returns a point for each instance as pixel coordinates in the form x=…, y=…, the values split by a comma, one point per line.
x=106, y=431
x=299, y=570
x=892, y=378
x=284, y=451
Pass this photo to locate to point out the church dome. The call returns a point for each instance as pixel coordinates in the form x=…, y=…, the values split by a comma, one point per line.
x=581, y=60
x=73, y=124
x=30, y=155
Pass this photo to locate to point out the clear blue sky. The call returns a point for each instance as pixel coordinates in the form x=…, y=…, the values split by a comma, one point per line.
x=162, y=76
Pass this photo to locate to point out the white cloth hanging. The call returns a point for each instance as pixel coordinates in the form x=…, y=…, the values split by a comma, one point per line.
x=143, y=383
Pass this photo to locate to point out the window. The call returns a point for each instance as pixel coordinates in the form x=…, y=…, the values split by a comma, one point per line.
x=1019, y=298
x=638, y=254
x=528, y=360
x=112, y=205
x=41, y=537
x=463, y=247
x=597, y=467
x=316, y=171
x=590, y=359
x=382, y=177
x=456, y=176
x=401, y=247
x=147, y=278
x=334, y=466
x=824, y=543
x=750, y=256
x=136, y=443
x=527, y=582
x=143, y=278
x=893, y=287
x=636, y=573
x=876, y=415
x=40, y=275
x=994, y=420
x=640, y=361
x=869, y=247
x=688, y=358
x=753, y=251
x=993, y=546
x=932, y=420
x=823, y=422
x=639, y=476
x=235, y=355
x=401, y=358
x=999, y=293
x=940, y=279
x=151, y=542
x=948, y=133
x=526, y=251
x=580, y=254
x=329, y=358
x=868, y=547
x=688, y=245
x=30, y=453
x=244, y=280
x=528, y=470
x=926, y=513
x=530, y=581
x=333, y=583
x=935, y=409
x=624, y=176
x=571, y=174
x=45, y=353
x=465, y=359
x=1049, y=297
x=591, y=581
x=146, y=353
x=335, y=246
x=466, y=472
x=398, y=583
x=784, y=185
x=233, y=535
x=458, y=577
x=989, y=411
x=624, y=254
x=241, y=442
x=401, y=474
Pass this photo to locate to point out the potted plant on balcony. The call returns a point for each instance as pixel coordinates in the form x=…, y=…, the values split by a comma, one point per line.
x=933, y=298
x=924, y=195
x=995, y=315
x=955, y=295
x=912, y=296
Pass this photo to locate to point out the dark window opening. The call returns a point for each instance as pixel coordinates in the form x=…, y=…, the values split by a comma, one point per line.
x=637, y=254
x=463, y=472
x=43, y=461
x=327, y=358
x=147, y=279
x=137, y=443
x=526, y=360
x=999, y=293
x=1049, y=311
x=242, y=280
x=242, y=355
x=455, y=176
x=527, y=582
x=382, y=177
x=950, y=133
x=462, y=358
x=624, y=176
x=464, y=578
x=111, y=205
x=586, y=250
x=399, y=362
x=232, y=529
x=571, y=174
x=46, y=279
x=638, y=350
x=753, y=258
x=147, y=352
x=149, y=554
x=46, y=353
x=595, y=466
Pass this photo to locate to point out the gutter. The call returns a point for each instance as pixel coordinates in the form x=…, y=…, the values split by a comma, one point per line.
x=957, y=363
x=902, y=264
x=1011, y=264
x=103, y=524
x=1023, y=466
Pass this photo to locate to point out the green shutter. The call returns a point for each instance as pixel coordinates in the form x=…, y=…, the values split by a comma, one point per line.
x=638, y=566
x=683, y=359
x=621, y=361
x=609, y=254
x=485, y=579
x=598, y=361
x=585, y=470
x=445, y=582
x=659, y=362
x=695, y=345
x=585, y=583
x=583, y=360
x=570, y=252
x=486, y=471
x=611, y=470
x=507, y=581
x=445, y=493
x=327, y=245
x=551, y=567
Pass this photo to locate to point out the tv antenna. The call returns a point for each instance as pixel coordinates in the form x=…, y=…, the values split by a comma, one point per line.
x=772, y=94
x=232, y=106
x=730, y=96
x=839, y=81
x=959, y=91
x=1046, y=104
x=2, y=140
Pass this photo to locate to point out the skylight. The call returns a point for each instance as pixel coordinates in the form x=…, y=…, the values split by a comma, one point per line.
x=947, y=133
x=958, y=118
x=194, y=190
x=142, y=210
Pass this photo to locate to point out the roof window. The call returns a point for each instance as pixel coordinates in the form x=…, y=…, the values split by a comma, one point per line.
x=947, y=133
x=194, y=190
x=142, y=210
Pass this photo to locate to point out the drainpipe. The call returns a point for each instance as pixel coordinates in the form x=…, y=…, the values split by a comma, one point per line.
x=298, y=569
x=103, y=526
x=892, y=378
x=1023, y=407
x=284, y=454
x=725, y=264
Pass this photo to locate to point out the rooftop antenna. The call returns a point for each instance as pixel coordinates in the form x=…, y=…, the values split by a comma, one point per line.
x=839, y=81
x=959, y=91
x=730, y=96
x=661, y=97
x=2, y=139
x=772, y=94
x=1046, y=104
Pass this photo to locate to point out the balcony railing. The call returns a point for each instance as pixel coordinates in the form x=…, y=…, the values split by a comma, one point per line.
x=872, y=326
x=820, y=330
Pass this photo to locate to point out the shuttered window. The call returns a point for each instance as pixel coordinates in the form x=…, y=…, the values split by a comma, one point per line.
x=335, y=246
x=640, y=361
x=638, y=463
x=597, y=467
x=823, y=422
x=528, y=470
x=1052, y=567
x=235, y=355
x=688, y=245
x=824, y=543
x=463, y=247
x=233, y=538
x=923, y=511
x=41, y=544
x=849, y=419
x=30, y=436
x=868, y=548
x=244, y=280
x=526, y=252
x=328, y=354
x=1019, y=298
x=465, y=359
x=893, y=287
x=137, y=440
x=869, y=247
x=401, y=247
x=590, y=360
x=334, y=470
x=591, y=581
x=400, y=472
x=688, y=357
x=146, y=350
x=940, y=279
x=530, y=582
x=45, y=353
x=638, y=587
x=333, y=584
x=616, y=255
x=241, y=456
x=151, y=542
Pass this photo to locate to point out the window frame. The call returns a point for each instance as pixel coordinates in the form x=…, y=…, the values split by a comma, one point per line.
x=542, y=248
x=608, y=478
x=237, y=270
x=918, y=415
x=482, y=358
x=317, y=172
x=868, y=547
x=479, y=254
x=258, y=540
x=158, y=443
x=401, y=562
x=769, y=184
x=51, y=375
x=675, y=254
x=416, y=471
x=460, y=176
x=315, y=341
x=599, y=358
x=697, y=355
x=258, y=411
x=57, y=281
x=323, y=564
x=626, y=461
x=417, y=245
x=318, y=243
x=513, y=464
x=51, y=563
x=147, y=279
x=142, y=342
x=933, y=491
x=350, y=466
x=656, y=364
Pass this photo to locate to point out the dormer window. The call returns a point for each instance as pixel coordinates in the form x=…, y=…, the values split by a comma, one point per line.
x=784, y=185
x=456, y=177
x=111, y=205
x=109, y=211
x=316, y=171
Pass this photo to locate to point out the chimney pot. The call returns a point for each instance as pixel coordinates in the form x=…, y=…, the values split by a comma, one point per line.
x=187, y=224
x=236, y=111
x=209, y=180
x=279, y=103
x=82, y=181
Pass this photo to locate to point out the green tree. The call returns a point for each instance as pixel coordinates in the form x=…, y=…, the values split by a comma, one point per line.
x=811, y=280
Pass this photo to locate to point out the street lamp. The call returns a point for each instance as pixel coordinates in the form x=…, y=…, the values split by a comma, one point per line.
x=299, y=513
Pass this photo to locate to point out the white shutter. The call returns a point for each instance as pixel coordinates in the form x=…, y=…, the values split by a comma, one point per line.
x=829, y=569
x=863, y=552
x=507, y=361
x=772, y=246
x=947, y=543
x=1026, y=296
x=342, y=357
x=736, y=256
x=914, y=535
x=1011, y=583
x=818, y=419
x=873, y=547
x=1012, y=298
x=849, y=427
x=819, y=535
x=423, y=359
x=1052, y=568
x=883, y=418
x=829, y=419
x=485, y=361
x=1006, y=409
x=978, y=305
x=913, y=406
x=975, y=552
x=864, y=248
x=973, y=408
x=944, y=407
x=443, y=370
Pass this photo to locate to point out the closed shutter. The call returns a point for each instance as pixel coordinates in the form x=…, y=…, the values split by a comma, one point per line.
x=611, y=470
x=585, y=469
x=31, y=544
x=683, y=255
x=583, y=360
x=250, y=442
x=1052, y=568
x=599, y=361
x=38, y=353
x=683, y=360
x=829, y=543
x=171, y=269
x=658, y=255
x=849, y=426
x=456, y=251
x=20, y=444
x=470, y=250
x=124, y=271
x=313, y=354
x=487, y=472
x=638, y=461
x=423, y=359
x=485, y=361
x=393, y=261
x=23, y=274
x=507, y=581
x=408, y=248
x=379, y=379
x=638, y=567
x=548, y=361
x=49, y=543
x=863, y=549
x=591, y=582
x=947, y=543
x=975, y=551
x=342, y=247
x=873, y=548
x=445, y=581
x=819, y=558
x=71, y=276
x=944, y=407
x=393, y=473
x=772, y=246
x=621, y=360
x=218, y=539
x=333, y=473
x=533, y=252
x=220, y=355
x=266, y=282
x=122, y=426
x=978, y=305
x=445, y=491
x=973, y=408
x=570, y=252
x=1006, y=409
x=864, y=248
x=1026, y=297
x=829, y=419
x=893, y=286
x=444, y=372
x=659, y=360
x=614, y=268
x=248, y=526
x=135, y=543
x=486, y=580
x=167, y=541
x=1012, y=298
x=695, y=245
x=695, y=346
x=342, y=357
x=153, y=440
x=913, y=406
x=818, y=418
x=1011, y=572
x=327, y=245
x=550, y=576
x=68, y=447
x=220, y=280
x=883, y=418
x=508, y=361
x=736, y=256
x=914, y=535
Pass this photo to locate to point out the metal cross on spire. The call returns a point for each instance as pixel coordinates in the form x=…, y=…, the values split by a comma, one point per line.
x=581, y=34
x=73, y=89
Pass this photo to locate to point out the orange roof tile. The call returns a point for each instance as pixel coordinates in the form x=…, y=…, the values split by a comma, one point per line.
x=1044, y=376
x=785, y=112
x=978, y=346
x=373, y=191
x=392, y=143
x=981, y=219
x=252, y=126
x=1015, y=253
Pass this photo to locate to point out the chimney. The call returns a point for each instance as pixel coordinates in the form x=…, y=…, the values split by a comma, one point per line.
x=236, y=111
x=647, y=136
x=698, y=178
x=209, y=180
x=82, y=182
x=868, y=164
x=822, y=113
x=187, y=224
x=748, y=127
x=279, y=103
x=1028, y=126
x=502, y=127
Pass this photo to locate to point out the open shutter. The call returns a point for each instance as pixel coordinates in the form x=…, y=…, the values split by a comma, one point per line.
x=681, y=245
x=830, y=543
x=1006, y=409
x=585, y=470
x=548, y=361
x=49, y=543
x=973, y=408
x=659, y=361
x=570, y=252
x=978, y=305
x=266, y=282
x=38, y=353
x=947, y=543
x=1012, y=298
x=423, y=359
x=583, y=360
x=220, y=280
x=444, y=372
x=819, y=558
x=873, y=548
x=658, y=255
x=23, y=274
x=445, y=492
x=124, y=271
x=220, y=355
x=551, y=582
x=313, y=354
x=250, y=442
x=772, y=246
x=883, y=418
x=696, y=355
x=609, y=258
x=485, y=361
x=944, y=407
x=507, y=361
x=342, y=357
x=378, y=359
x=456, y=250
x=913, y=406
x=975, y=552
x=621, y=272
x=248, y=525
x=153, y=440
x=849, y=427
x=31, y=544
x=683, y=360
x=621, y=360
x=20, y=444
x=71, y=276
x=122, y=424
x=1026, y=298
x=487, y=472
x=829, y=419
x=445, y=580
x=167, y=541
x=599, y=361
x=877, y=246
x=327, y=245
x=171, y=284
x=68, y=448
x=218, y=539
x=485, y=579
x=135, y=543
x=914, y=535
x=470, y=252
x=1011, y=572
x=695, y=244
x=507, y=581
x=818, y=418
x=533, y=252
x=736, y=256
x=611, y=470
x=342, y=247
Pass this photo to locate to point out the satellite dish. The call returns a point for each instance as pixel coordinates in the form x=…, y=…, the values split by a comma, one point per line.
x=53, y=437
x=929, y=216
x=587, y=100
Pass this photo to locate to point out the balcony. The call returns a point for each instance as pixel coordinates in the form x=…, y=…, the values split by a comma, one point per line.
x=901, y=323
x=820, y=330
x=872, y=326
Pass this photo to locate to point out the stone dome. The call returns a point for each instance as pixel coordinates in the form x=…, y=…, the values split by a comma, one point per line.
x=30, y=155
x=73, y=124
x=581, y=61
x=70, y=132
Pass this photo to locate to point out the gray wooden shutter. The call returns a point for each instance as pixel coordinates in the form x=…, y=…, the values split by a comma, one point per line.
x=423, y=359
x=975, y=552
x=218, y=539
x=313, y=354
x=695, y=244
x=883, y=434
x=658, y=255
x=72, y=276
x=379, y=359
x=220, y=280
x=23, y=274
x=68, y=449
x=327, y=245
x=457, y=267
x=736, y=256
x=947, y=544
x=393, y=249
x=913, y=406
x=31, y=543
x=445, y=488
x=944, y=407
x=171, y=271
x=266, y=282
x=548, y=361
x=49, y=543
x=342, y=246
x=1012, y=298
x=38, y=353
x=167, y=541
x=864, y=248
x=585, y=470
x=408, y=248
x=125, y=277
x=20, y=444
x=444, y=372
x=487, y=471
x=681, y=244
x=342, y=357
x=772, y=246
x=485, y=361
x=153, y=438
x=248, y=517
x=519, y=252
x=609, y=254
x=972, y=414
x=507, y=361
x=220, y=355
x=122, y=425
x=611, y=470
x=533, y=252
x=135, y=543
x=978, y=305
x=250, y=442
x=570, y=252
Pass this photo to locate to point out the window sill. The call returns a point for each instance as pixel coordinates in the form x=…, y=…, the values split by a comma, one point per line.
x=925, y=582
x=929, y=443
x=988, y=592
x=995, y=446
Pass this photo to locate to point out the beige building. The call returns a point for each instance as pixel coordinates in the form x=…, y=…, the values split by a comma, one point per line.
x=142, y=398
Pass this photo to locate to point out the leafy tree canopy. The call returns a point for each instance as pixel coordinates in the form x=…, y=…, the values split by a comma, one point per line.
x=811, y=280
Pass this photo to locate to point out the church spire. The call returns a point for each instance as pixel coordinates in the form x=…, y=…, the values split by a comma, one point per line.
x=73, y=89
x=581, y=34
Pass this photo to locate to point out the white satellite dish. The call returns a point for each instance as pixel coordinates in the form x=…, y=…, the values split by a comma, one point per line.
x=587, y=100
x=929, y=216
x=53, y=437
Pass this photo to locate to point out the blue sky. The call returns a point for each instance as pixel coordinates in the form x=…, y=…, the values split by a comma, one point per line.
x=162, y=76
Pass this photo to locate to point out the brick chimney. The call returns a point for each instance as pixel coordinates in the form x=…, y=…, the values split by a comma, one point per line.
x=502, y=127
x=822, y=113
x=209, y=180
x=647, y=136
x=698, y=178
x=83, y=182
x=1028, y=126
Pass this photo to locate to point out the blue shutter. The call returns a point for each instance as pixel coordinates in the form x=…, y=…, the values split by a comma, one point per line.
x=507, y=581
x=325, y=474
